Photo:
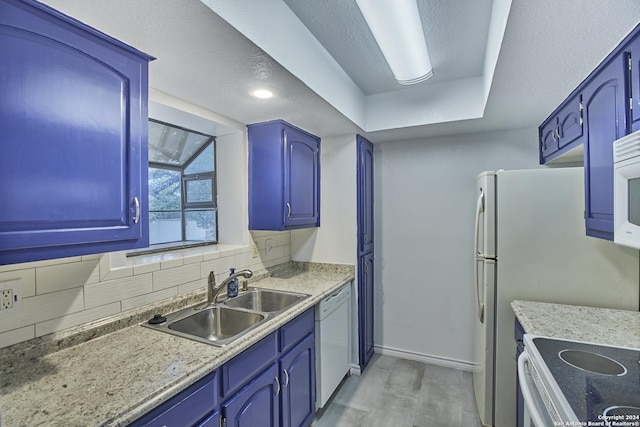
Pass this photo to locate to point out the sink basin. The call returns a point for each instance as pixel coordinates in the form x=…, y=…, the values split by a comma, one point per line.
x=221, y=323
x=265, y=300
x=216, y=323
x=212, y=325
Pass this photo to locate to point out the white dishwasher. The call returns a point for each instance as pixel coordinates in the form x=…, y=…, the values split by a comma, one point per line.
x=332, y=343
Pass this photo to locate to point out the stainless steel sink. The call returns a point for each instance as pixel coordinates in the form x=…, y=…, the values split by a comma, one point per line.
x=222, y=323
x=217, y=324
x=265, y=300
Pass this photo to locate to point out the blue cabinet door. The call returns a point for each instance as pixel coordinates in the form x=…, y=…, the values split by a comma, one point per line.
x=562, y=131
x=365, y=250
x=605, y=120
x=634, y=73
x=73, y=157
x=365, y=309
x=570, y=124
x=548, y=138
x=284, y=177
x=257, y=404
x=365, y=195
x=301, y=179
x=297, y=376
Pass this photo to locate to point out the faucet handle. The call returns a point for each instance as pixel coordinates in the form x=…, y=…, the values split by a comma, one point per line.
x=212, y=278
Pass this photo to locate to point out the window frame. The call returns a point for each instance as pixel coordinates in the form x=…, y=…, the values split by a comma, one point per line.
x=185, y=206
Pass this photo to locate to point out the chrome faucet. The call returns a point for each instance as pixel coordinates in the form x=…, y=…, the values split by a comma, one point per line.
x=215, y=290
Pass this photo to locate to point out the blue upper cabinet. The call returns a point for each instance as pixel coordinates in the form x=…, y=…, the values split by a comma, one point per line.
x=284, y=177
x=562, y=131
x=73, y=155
x=634, y=73
x=605, y=112
x=603, y=108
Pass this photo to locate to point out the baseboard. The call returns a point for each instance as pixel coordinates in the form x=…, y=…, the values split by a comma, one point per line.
x=424, y=358
x=355, y=370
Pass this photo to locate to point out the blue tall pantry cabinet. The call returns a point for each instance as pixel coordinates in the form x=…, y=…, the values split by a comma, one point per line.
x=73, y=148
x=365, y=250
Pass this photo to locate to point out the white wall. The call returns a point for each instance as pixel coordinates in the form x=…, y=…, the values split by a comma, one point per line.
x=424, y=229
x=335, y=240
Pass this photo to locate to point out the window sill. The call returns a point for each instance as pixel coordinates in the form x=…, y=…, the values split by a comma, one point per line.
x=167, y=247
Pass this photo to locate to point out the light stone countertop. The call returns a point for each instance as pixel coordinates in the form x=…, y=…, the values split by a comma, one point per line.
x=596, y=325
x=115, y=378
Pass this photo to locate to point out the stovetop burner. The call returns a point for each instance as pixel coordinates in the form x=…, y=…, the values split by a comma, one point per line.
x=592, y=362
x=594, y=378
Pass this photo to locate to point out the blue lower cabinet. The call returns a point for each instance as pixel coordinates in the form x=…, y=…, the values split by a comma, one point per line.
x=191, y=407
x=211, y=421
x=261, y=386
x=297, y=376
x=247, y=365
x=519, y=334
x=257, y=404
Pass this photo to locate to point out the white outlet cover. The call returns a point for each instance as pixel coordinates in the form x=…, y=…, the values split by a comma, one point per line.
x=16, y=286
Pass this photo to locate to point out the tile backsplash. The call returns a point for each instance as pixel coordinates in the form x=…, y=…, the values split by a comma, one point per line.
x=59, y=294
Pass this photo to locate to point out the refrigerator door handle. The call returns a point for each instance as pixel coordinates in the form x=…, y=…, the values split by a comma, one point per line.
x=476, y=280
x=479, y=210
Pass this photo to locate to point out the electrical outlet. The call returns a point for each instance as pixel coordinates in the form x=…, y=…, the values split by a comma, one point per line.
x=10, y=297
x=6, y=299
x=254, y=250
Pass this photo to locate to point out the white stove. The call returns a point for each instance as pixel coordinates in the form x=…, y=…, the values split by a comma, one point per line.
x=572, y=383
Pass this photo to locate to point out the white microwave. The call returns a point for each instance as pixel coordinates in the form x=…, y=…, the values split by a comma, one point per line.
x=626, y=190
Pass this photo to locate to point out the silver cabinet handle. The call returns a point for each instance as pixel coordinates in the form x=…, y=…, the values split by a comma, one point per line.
x=278, y=384
x=288, y=210
x=558, y=132
x=137, y=203
x=286, y=378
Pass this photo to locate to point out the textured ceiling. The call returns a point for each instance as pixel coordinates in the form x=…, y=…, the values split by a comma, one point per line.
x=455, y=31
x=549, y=47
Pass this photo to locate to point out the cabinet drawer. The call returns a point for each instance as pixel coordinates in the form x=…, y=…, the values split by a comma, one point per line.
x=187, y=408
x=246, y=365
x=296, y=329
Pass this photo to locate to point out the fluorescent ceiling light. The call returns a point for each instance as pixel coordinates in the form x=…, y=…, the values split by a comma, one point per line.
x=397, y=28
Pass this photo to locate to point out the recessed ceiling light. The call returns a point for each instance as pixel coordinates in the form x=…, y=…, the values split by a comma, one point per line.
x=262, y=93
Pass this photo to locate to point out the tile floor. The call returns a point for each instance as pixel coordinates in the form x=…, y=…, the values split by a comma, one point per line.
x=402, y=393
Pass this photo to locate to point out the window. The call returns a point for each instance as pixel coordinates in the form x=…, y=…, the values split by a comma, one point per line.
x=182, y=186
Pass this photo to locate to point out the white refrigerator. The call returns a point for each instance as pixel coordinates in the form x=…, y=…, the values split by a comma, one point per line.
x=530, y=244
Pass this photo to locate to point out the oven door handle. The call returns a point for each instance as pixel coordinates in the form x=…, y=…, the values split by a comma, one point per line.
x=528, y=389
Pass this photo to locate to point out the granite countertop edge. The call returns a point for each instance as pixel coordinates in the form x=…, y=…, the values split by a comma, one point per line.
x=620, y=328
x=177, y=362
